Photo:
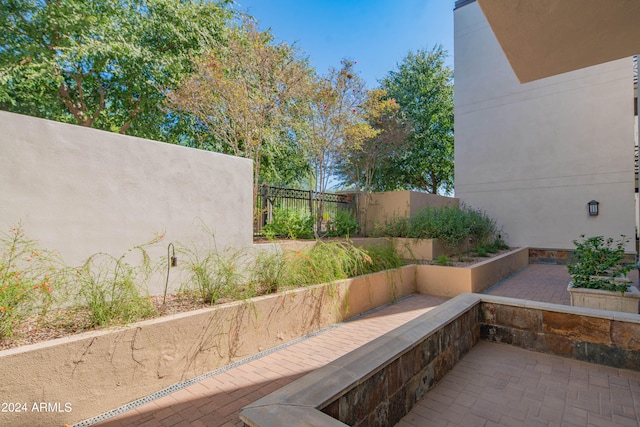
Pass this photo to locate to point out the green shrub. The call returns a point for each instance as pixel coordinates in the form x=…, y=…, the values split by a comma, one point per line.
x=290, y=223
x=395, y=227
x=344, y=224
x=452, y=225
x=595, y=263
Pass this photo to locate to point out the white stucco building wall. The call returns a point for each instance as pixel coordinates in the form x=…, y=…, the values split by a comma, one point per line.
x=79, y=191
x=533, y=155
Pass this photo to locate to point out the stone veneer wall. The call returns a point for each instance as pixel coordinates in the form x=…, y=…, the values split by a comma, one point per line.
x=606, y=338
x=388, y=395
x=560, y=256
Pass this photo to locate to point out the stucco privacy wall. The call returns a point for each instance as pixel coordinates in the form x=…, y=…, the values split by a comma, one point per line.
x=533, y=155
x=384, y=206
x=79, y=191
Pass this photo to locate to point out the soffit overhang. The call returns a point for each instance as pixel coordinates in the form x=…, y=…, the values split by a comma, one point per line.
x=542, y=38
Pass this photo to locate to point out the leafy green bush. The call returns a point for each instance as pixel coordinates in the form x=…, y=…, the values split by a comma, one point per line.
x=452, y=225
x=596, y=263
x=28, y=278
x=345, y=224
x=397, y=226
x=290, y=223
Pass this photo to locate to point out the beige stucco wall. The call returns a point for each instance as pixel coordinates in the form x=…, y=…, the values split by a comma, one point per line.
x=384, y=206
x=453, y=281
x=533, y=155
x=99, y=371
x=79, y=191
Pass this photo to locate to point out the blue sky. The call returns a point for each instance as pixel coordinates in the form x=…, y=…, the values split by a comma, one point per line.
x=377, y=34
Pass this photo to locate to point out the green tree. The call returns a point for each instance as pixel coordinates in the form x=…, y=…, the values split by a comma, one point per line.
x=242, y=93
x=423, y=86
x=101, y=63
x=383, y=136
x=333, y=124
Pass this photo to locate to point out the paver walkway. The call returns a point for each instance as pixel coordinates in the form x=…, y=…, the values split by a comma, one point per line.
x=216, y=401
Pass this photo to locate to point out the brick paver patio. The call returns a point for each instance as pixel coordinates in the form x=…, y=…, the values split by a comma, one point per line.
x=502, y=385
x=518, y=387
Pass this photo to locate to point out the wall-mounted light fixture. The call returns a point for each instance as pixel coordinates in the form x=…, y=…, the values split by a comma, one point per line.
x=593, y=208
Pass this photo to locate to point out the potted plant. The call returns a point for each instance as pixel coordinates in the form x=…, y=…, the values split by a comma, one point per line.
x=599, y=275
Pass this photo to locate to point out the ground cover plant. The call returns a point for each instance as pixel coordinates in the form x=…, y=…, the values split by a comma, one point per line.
x=42, y=298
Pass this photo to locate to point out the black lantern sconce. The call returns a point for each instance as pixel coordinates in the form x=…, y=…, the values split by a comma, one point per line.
x=593, y=208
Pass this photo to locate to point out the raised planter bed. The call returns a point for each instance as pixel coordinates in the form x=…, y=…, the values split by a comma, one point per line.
x=629, y=302
x=94, y=372
x=451, y=281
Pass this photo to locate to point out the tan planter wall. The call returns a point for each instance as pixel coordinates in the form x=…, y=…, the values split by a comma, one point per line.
x=408, y=249
x=98, y=371
x=423, y=249
x=605, y=300
x=452, y=281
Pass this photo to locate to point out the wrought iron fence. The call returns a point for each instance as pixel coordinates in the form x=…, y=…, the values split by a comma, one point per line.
x=271, y=198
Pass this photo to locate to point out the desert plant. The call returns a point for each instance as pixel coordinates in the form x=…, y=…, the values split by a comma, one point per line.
x=383, y=257
x=599, y=263
x=111, y=288
x=213, y=274
x=290, y=223
x=268, y=271
x=28, y=278
x=326, y=262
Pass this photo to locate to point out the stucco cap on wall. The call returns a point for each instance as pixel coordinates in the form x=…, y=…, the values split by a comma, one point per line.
x=542, y=38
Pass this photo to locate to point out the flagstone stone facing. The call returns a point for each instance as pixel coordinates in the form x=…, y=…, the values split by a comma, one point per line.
x=548, y=256
x=605, y=338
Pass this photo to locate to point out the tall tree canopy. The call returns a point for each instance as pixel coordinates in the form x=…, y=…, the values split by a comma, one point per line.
x=333, y=121
x=423, y=86
x=101, y=63
x=385, y=137
x=242, y=93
